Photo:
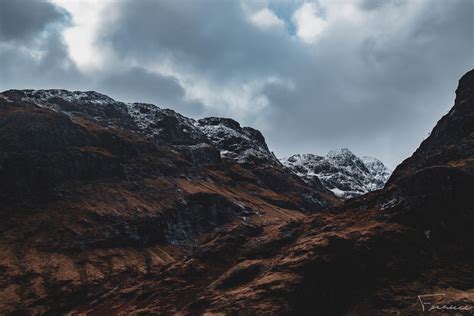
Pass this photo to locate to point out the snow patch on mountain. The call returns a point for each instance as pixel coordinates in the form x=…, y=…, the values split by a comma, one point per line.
x=340, y=171
x=41, y=97
x=378, y=170
x=163, y=126
x=235, y=142
x=100, y=107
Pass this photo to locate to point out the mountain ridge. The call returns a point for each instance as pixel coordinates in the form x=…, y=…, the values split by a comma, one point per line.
x=164, y=125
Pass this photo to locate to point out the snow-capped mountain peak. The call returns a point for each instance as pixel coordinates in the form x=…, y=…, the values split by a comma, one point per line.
x=380, y=172
x=339, y=153
x=234, y=141
x=341, y=171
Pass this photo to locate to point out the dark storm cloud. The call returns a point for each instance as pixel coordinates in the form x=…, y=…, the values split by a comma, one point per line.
x=212, y=37
x=25, y=19
x=32, y=50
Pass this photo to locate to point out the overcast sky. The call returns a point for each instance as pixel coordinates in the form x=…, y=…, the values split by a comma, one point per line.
x=370, y=75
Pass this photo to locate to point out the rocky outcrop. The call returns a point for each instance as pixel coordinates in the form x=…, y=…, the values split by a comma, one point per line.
x=236, y=142
x=165, y=126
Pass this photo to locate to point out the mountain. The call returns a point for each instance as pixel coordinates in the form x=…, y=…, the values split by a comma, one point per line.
x=98, y=216
x=375, y=254
x=96, y=192
x=340, y=171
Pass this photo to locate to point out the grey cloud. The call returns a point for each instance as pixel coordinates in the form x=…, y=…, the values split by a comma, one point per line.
x=147, y=85
x=370, y=5
x=210, y=37
x=137, y=84
x=53, y=69
x=32, y=50
x=23, y=19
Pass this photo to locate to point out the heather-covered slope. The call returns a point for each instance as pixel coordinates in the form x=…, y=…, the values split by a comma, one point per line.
x=97, y=192
x=373, y=255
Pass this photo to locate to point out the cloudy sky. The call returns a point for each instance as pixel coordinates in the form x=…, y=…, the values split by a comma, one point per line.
x=371, y=75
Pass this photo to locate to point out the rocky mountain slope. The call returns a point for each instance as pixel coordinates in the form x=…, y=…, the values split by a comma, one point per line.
x=340, y=171
x=96, y=192
x=163, y=126
x=373, y=255
x=98, y=217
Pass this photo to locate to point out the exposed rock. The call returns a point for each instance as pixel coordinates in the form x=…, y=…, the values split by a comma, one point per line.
x=165, y=126
x=235, y=142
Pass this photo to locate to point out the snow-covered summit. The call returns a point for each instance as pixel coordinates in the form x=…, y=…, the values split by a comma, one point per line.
x=165, y=126
x=47, y=96
x=234, y=141
x=95, y=105
x=380, y=172
x=340, y=171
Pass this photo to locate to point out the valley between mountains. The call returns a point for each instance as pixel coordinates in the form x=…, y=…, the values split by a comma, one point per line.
x=112, y=208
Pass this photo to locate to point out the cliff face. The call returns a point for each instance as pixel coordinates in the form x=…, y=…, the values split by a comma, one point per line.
x=100, y=217
x=96, y=192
